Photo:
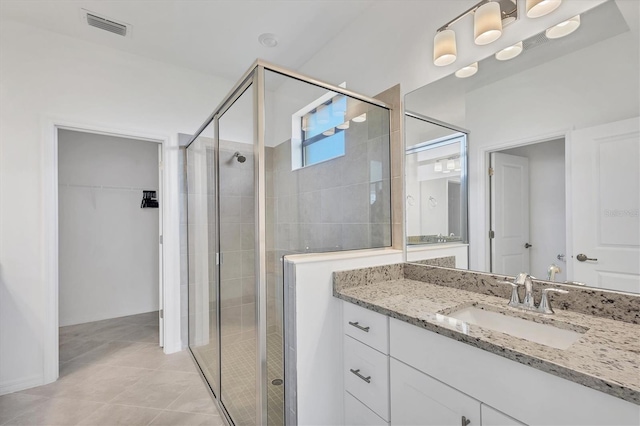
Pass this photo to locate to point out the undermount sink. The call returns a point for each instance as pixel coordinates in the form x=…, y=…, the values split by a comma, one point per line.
x=544, y=334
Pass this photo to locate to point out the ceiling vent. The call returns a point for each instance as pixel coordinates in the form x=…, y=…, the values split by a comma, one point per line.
x=100, y=22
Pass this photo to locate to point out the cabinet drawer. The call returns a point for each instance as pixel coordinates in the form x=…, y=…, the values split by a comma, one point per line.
x=358, y=414
x=366, y=376
x=371, y=328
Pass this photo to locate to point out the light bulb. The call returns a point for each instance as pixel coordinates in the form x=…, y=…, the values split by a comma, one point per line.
x=444, y=48
x=437, y=167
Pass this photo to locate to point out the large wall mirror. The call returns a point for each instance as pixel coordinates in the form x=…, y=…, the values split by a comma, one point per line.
x=553, y=152
x=435, y=182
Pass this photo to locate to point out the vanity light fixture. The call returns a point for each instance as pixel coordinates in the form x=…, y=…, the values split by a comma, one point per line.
x=538, y=8
x=489, y=18
x=458, y=167
x=329, y=132
x=510, y=52
x=360, y=118
x=343, y=126
x=444, y=48
x=437, y=167
x=487, y=23
x=563, y=28
x=451, y=164
x=467, y=71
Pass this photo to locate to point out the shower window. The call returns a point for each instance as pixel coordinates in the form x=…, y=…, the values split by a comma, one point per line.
x=322, y=130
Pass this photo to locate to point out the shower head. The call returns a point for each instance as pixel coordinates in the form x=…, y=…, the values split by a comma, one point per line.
x=241, y=158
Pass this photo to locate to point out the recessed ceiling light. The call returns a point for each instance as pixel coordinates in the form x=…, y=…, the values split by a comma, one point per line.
x=268, y=40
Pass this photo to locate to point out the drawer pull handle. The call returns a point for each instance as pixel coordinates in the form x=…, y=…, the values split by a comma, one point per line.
x=357, y=373
x=465, y=421
x=359, y=327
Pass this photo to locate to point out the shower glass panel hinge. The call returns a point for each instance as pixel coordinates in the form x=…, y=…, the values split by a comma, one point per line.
x=490, y=171
x=492, y=234
x=161, y=313
x=217, y=258
x=160, y=239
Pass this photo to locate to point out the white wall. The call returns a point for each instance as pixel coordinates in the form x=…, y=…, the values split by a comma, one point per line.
x=108, y=245
x=546, y=205
x=46, y=76
x=319, y=330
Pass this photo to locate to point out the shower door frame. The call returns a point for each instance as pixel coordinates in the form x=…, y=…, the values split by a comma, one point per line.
x=255, y=76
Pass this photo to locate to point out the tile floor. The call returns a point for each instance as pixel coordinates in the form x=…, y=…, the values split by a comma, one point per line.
x=112, y=372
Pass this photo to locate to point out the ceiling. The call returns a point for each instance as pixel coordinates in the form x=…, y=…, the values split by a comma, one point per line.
x=215, y=37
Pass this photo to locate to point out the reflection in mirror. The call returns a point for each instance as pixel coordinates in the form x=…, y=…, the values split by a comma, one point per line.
x=554, y=152
x=435, y=179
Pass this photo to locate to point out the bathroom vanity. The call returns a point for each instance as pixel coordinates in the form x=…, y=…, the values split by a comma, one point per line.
x=432, y=345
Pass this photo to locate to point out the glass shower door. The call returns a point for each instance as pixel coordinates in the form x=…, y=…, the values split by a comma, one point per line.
x=202, y=247
x=238, y=325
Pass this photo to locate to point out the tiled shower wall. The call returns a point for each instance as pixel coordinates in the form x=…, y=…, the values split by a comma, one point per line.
x=237, y=229
x=340, y=204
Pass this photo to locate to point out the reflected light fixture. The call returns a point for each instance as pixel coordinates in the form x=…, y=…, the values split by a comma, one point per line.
x=467, y=71
x=329, y=132
x=538, y=8
x=444, y=48
x=360, y=118
x=458, y=166
x=487, y=23
x=437, y=167
x=343, y=126
x=563, y=28
x=451, y=164
x=509, y=52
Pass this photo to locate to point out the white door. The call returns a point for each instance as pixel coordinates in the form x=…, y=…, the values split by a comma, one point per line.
x=160, y=259
x=605, y=199
x=509, y=214
x=417, y=399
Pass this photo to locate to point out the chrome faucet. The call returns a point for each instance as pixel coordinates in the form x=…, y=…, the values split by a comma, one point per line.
x=528, y=303
x=552, y=271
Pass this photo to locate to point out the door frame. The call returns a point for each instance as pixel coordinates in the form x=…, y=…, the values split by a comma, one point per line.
x=483, y=251
x=50, y=127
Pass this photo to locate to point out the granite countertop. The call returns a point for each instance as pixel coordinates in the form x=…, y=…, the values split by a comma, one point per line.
x=605, y=358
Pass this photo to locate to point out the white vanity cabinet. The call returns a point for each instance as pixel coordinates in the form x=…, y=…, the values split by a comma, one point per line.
x=511, y=393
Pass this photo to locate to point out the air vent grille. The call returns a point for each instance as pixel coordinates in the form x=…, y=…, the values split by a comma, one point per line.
x=106, y=24
x=535, y=41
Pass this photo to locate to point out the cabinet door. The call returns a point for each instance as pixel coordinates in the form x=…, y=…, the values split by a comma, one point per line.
x=417, y=399
x=492, y=417
x=358, y=414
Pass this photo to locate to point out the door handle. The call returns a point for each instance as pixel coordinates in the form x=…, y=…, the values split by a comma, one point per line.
x=527, y=245
x=583, y=257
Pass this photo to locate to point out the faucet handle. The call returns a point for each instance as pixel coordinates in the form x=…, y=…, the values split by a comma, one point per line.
x=515, y=297
x=545, y=306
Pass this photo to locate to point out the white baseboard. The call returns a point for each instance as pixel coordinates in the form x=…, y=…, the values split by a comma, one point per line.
x=21, y=384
